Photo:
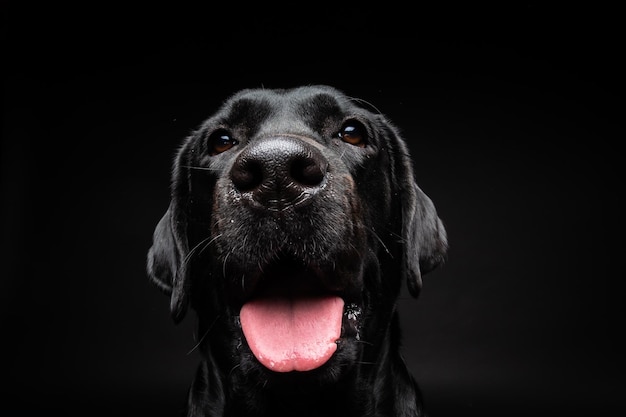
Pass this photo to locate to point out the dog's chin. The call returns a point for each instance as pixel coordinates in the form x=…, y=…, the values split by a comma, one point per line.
x=328, y=374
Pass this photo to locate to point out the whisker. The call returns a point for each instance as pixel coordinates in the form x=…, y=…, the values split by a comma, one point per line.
x=224, y=263
x=366, y=103
x=203, y=336
x=400, y=238
x=201, y=246
x=233, y=368
x=358, y=252
x=200, y=168
x=210, y=241
x=381, y=241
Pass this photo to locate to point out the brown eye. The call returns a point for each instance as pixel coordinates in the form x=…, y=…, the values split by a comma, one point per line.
x=220, y=141
x=353, y=133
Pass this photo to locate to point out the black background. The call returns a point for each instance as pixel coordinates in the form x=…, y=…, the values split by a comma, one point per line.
x=511, y=117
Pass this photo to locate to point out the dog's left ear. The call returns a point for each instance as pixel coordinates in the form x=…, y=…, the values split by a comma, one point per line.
x=167, y=266
x=424, y=237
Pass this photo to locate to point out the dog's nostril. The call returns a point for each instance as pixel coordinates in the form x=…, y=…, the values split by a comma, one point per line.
x=247, y=175
x=308, y=170
x=279, y=172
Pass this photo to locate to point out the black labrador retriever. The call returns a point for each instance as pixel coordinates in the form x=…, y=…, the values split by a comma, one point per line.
x=294, y=218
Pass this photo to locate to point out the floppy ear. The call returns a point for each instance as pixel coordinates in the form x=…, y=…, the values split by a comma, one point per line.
x=167, y=266
x=424, y=237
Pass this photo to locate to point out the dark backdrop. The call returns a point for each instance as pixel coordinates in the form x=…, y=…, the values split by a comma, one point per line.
x=511, y=117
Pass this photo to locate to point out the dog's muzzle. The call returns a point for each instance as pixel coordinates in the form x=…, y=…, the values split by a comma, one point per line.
x=279, y=173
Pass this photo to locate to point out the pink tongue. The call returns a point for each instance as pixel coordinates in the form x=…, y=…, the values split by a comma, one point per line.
x=287, y=334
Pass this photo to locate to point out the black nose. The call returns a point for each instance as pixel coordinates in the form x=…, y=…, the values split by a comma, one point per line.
x=279, y=172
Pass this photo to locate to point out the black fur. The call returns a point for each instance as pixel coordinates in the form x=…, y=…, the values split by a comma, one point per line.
x=270, y=184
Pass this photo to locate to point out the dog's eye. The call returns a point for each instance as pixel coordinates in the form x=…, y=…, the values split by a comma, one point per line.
x=220, y=141
x=353, y=133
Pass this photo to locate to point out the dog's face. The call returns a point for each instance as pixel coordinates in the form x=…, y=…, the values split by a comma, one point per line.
x=294, y=219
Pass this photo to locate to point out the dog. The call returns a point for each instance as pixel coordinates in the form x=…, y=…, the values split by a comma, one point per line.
x=293, y=222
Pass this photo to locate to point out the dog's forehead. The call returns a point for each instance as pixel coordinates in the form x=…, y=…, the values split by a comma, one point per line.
x=298, y=109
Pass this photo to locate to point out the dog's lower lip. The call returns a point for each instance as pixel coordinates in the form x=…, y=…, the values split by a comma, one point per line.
x=351, y=325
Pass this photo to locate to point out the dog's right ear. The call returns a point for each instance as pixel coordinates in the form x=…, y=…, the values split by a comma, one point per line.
x=167, y=258
x=166, y=262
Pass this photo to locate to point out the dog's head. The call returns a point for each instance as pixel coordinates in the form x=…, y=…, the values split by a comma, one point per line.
x=294, y=218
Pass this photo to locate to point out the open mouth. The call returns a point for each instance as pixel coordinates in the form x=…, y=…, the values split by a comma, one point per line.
x=295, y=318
